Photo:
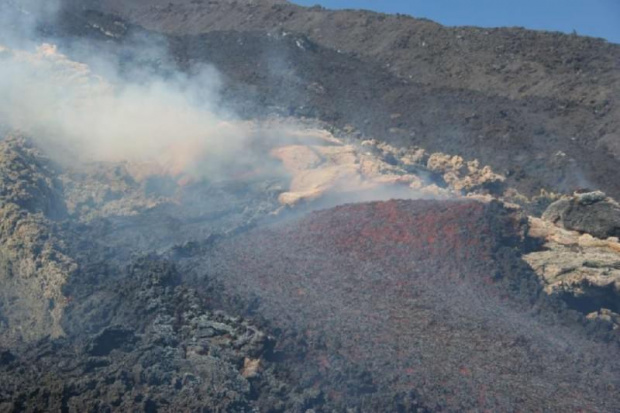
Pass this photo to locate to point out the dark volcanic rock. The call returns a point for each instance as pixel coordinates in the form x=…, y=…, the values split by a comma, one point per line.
x=591, y=212
x=161, y=350
x=6, y=357
x=88, y=325
x=109, y=339
x=416, y=301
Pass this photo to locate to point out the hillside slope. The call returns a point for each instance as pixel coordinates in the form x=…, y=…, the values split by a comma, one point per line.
x=542, y=106
x=419, y=296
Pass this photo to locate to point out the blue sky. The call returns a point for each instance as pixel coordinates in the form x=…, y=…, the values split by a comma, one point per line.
x=598, y=18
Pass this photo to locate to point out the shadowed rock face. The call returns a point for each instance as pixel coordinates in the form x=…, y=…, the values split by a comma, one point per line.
x=591, y=213
x=425, y=300
x=160, y=349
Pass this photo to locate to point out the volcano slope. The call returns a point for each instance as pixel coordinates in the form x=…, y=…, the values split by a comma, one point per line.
x=540, y=107
x=398, y=304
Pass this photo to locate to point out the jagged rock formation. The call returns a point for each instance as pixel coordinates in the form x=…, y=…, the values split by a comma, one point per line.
x=34, y=259
x=582, y=269
x=158, y=348
x=590, y=212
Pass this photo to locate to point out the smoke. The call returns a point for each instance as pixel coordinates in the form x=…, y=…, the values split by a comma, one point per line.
x=107, y=110
x=69, y=109
x=85, y=101
x=20, y=19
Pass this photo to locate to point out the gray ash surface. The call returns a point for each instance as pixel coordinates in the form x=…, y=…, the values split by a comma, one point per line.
x=417, y=296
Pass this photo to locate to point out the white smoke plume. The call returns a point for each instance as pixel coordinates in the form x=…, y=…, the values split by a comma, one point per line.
x=94, y=107
x=66, y=107
x=92, y=112
x=19, y=19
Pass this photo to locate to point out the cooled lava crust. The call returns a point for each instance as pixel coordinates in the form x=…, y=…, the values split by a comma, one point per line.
x=407, y=305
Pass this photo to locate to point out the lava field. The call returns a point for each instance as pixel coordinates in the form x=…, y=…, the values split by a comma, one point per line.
x=414, y=303
x=197, y=213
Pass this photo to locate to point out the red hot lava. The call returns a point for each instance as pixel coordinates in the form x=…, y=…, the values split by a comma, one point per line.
x=422, y=299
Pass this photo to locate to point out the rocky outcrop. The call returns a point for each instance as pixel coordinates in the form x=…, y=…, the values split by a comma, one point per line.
x=580, y=259
x=606, y=316
x=34, y=268
x=34, y=260
x=160, y=349
x=29, y=179
x=583, y=270
x=592, y=212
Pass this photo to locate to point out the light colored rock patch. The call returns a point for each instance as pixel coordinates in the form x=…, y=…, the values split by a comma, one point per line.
x=333, y=166
x=576, y=264
x=462, y=175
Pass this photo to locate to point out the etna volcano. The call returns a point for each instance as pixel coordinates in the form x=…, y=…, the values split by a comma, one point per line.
x=253, y=206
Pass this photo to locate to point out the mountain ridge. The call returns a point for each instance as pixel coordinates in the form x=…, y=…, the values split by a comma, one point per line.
x=572, y=83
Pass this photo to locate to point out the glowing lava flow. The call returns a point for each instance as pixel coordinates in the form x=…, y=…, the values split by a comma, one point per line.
x=423, y=296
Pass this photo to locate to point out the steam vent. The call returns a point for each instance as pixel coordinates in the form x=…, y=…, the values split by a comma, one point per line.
x=253, y=206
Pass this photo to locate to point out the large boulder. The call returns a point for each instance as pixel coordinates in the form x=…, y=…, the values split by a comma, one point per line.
x=593, y=213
